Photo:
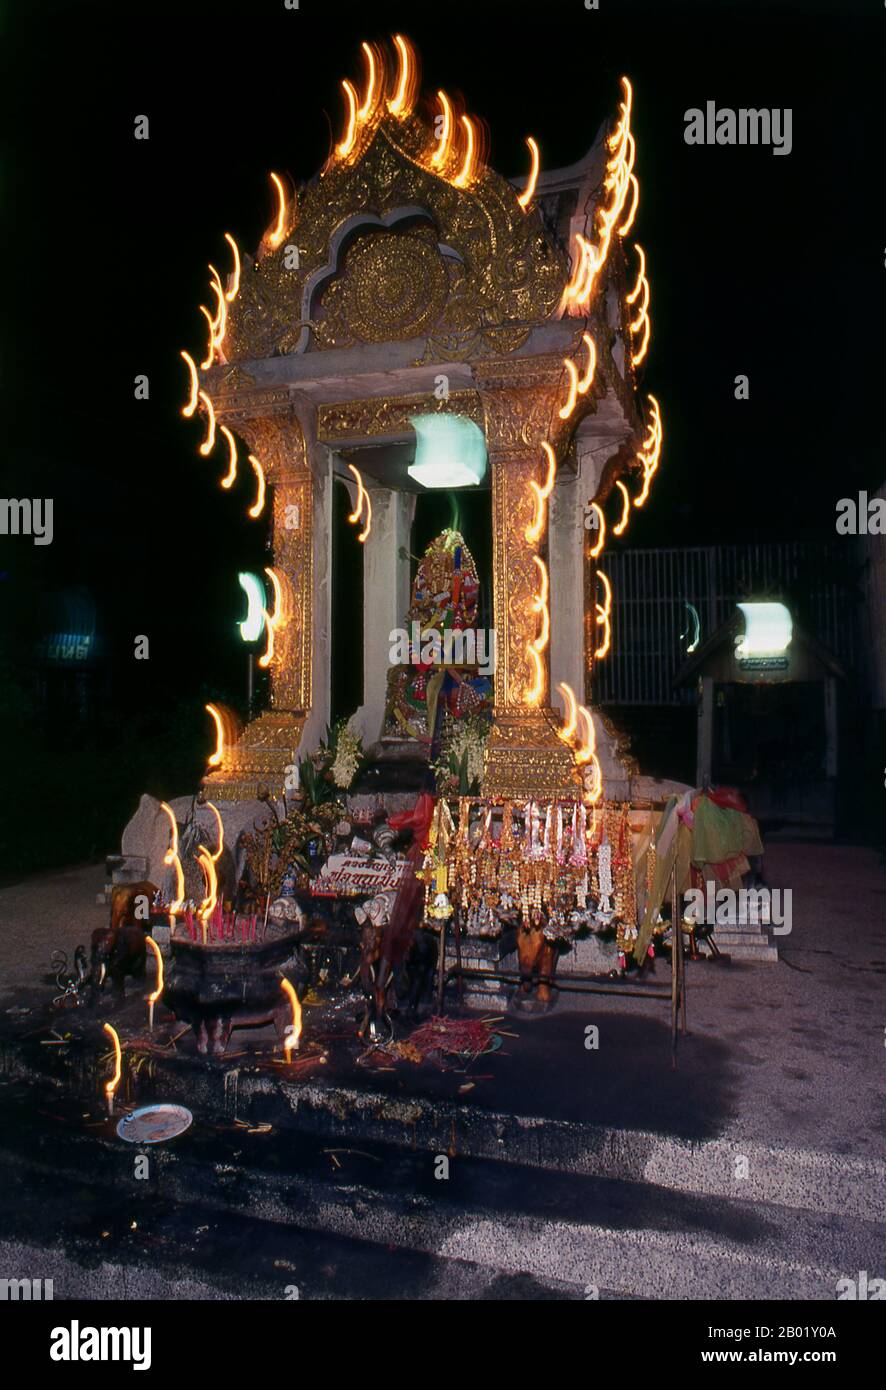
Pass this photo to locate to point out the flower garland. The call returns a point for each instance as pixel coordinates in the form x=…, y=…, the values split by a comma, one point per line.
x=534, y=866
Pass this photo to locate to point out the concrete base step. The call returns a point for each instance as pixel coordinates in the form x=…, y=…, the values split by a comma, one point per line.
x=742, y=949
x=369, y=1110
x=746, y=941
x=565, y=1235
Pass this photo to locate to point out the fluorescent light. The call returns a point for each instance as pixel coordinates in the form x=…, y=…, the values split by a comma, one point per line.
x=450, y=451
x=253, y=624
x=768, y=630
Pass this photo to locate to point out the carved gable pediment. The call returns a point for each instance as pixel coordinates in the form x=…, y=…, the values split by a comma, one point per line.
x=386, y=250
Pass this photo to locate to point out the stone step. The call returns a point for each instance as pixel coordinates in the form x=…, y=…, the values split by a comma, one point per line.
x=739, y=950
x=576, y=1235
x=746, y=944
x=352, y=1115
x=742, y=925
x=743, y=951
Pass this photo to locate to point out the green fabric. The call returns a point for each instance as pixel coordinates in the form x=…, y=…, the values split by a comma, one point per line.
x=672, y=850
x=718, y=834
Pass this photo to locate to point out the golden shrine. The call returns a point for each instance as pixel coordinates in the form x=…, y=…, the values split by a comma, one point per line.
x=410, y=279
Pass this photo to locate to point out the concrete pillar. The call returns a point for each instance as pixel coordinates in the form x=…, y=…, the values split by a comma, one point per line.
x=524, y=756
x=321, y=651
x=705, y=757
x=567, y=539
x=385, y=599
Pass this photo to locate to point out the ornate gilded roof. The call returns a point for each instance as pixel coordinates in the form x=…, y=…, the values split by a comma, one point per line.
x=381, y=248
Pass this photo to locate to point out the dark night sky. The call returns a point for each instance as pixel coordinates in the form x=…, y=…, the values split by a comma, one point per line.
x=770, y=266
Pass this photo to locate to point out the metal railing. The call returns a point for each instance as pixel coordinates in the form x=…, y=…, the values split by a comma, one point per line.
x=657, y=595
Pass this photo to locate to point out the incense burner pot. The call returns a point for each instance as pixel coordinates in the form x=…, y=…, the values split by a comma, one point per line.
x=225, y=985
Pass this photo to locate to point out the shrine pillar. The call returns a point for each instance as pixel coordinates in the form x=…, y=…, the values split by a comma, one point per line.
x=297, y=473
x=385, y=600
x=524, y=755
x=575, y=633
x=567, y=536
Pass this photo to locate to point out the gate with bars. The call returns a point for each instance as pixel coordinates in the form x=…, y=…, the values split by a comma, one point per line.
x=667, y=601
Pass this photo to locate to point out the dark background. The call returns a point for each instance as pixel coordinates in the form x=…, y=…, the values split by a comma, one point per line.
x=760, y=264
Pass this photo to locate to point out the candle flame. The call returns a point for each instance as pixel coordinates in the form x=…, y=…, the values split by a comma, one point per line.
x=172, y=852
x=536, y=690
x=171, y=857
x=650, y=453
x=207, y=864
x=235, y=276
x=406, y=87
x=536, y=647
x=601, y=540
x=205, y=365
x=528, y=193
x=152, y=998
x=231, y=474
x=275, y=237
x=272, y=620
x=215, y=713
x=362, y=500
x=572, y=395
x=635, y=194
x=569, y=727
x=465, y=175
x=588, y=377
x=111, y=1086
x=533, y=532
x=626, y=507
x=220, y=320
x=440, y=157
x=208, y=444
x=589, y=744
x=258, y=505
x=345, y=148
x=372, y=84
x=290, y=1042
x=604, y=612
x=191, y=406
x=575, y=288
x=587, y=753
x=540, y=604
x=618, y=181
x=641, y=323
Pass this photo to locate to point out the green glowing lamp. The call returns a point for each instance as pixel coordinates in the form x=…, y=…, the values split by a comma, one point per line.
x=768, y=630
x=450, y=451
x=253, y=625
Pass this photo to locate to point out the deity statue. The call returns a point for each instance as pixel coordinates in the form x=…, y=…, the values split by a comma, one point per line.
x=440, y=678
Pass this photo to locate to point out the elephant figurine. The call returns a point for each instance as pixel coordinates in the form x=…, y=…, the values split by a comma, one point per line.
x=116, y=953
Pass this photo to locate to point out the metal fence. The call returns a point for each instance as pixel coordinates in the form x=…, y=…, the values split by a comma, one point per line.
x=657, y=596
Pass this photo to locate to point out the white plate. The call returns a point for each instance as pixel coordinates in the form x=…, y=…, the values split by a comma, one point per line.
x=154, y=1124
